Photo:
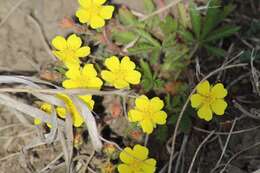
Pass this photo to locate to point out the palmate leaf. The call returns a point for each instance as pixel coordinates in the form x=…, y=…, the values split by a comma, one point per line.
x=186, y=35
x=149, y=6
x=195, y=20
x=215, y=15
x=126, y=17
x=222, y=32
x=168, y=25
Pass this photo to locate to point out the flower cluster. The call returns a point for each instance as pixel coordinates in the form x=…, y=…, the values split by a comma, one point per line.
x=209, y=99
x=136, y=160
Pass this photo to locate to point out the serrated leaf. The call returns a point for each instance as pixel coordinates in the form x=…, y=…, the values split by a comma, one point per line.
x=212, y=15
x=168, y=25
x=141, y=48
x=222, y=32
x=187, y=36
x=169, y=41
x=215, y=51
x=195, y=20
x=161, y=133
x=146, y=69
x=126, y=17
x=184, y=17
x=149, y=6
x=155, y=56
x=147, y=36
x=123, y=37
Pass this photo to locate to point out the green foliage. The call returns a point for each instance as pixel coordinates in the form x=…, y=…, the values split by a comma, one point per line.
x=161, y=134
x=206, y=30
x=149, y=80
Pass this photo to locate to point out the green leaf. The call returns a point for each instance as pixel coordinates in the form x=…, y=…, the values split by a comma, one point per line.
x=187, y=36
x=123, y=37
x=184, y=17
x=215, y=51
x=212, y=15
x=155, y=54
x=168, y=25
x=146, y=69
x=195, y=20
x=149, y=6
x=222, y=32
x=126, y=17
x=147, y=36
x=141, y=48
x=169, y=41
x=161, y=134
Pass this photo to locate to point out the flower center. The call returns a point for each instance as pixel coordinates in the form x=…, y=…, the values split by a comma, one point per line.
x=208, y=99
x=69, y=53
x=120, y=74
x=137, y=165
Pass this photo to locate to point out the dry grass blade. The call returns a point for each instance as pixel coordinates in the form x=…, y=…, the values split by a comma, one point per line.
x=90, y=123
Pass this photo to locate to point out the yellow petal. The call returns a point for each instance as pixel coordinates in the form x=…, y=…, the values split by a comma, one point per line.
x=83, y=51
x=69, y=84
x=219, y=106
x=127, y=64
x=61, y=112
x=159, y=117
x=123, y=168
x=59, y=54
x=96, y=22
x=99, y=2
x=37, y=121
x=205, y=113
x=133, y=77
x=126, y=155
x=73, y=72
x=94, y=83
x=120, y=84
x=149, y=166
x=218, y=91
x=46, y=107
x=87, y=99
x=85, y=3
x=106, y=11
x=203, y=88
x=142, y=102
x=74, y=42
x=83, y=15
x=107, y=76
x=156, y=104
x=140, y=152
x=196, y=100
x=89, y=70
x=135, y=115
x=73, y=62
x=112, y=63
x=147, y=126
x=59, y=43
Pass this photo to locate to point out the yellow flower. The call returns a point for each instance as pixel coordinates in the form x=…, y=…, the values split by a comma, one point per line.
x=94, y=13
x=46, y=107
x=82, y=78
x=122, y=73
x=69, y=51
x=77, y=119
x=148, y=113
x=209, y=99
x=136, y=160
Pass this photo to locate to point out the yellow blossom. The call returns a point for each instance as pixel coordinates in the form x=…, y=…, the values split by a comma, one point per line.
x=148, y=113
x=209, y=99
x=136, y=160
x=46, y=107
x=94, y=13
x=77, y=119
x=122, y=73
x=85, y=77
x=69, y=51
